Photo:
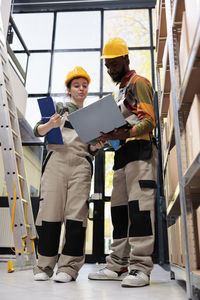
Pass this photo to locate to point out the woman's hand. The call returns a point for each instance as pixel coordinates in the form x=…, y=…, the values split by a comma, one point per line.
x=54, y=122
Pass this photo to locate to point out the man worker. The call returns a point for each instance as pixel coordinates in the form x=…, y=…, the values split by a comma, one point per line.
x=134, y=179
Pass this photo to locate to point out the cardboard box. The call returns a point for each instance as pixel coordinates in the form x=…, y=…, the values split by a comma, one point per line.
x=170, y=115
x=198, y=234
x=192, y=14
x=181, y=248
x=176, y=243
x=173, y=245
x=191, y=241
x=164, y=138
x=184, y=47
x=172, y=172
x=193, y=130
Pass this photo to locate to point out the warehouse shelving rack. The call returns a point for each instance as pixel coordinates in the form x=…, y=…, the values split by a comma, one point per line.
x=168, y=38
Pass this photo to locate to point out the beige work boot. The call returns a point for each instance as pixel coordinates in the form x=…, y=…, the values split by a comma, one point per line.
x=106, y=274
x=135, y=278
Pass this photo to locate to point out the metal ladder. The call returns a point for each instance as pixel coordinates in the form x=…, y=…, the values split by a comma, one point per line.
x=22, y=222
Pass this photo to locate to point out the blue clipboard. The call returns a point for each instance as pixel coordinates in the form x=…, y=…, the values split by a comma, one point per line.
x=47, y=109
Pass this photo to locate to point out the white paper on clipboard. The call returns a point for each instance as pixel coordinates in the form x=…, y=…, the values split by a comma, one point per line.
x=103, y=115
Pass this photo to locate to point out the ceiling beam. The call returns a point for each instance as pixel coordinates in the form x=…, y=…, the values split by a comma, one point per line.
x=29, y=6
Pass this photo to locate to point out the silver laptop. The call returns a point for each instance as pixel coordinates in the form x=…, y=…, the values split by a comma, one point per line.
x=103, y=115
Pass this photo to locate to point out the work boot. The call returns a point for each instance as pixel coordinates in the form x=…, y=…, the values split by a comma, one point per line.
x=62, y=277
x=135, y=278
x=42, y=276
x=106, y=274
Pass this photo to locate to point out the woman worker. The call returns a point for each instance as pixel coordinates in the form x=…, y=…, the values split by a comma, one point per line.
x=65, y=188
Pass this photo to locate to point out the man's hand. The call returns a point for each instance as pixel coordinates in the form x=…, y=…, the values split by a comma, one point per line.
x=98, y=146
x=116, y=134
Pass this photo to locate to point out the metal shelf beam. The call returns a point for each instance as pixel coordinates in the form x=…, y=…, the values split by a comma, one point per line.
x=171, y=50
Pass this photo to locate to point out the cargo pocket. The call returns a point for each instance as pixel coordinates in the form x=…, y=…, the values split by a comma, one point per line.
x=151, y=184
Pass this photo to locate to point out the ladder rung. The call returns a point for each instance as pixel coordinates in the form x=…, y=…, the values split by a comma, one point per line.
x=20, y=177
x=28, y=253
x=17, y=154
x=2, y=45
x=16, y=163
x=9, y=94
x=25, y=201
x=1, y=42
x=11, y=113
x=3, y=58
x=2, y=39
x=15, y=134
x=6, y=76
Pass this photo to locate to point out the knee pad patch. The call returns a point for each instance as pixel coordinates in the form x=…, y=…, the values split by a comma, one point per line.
x=140, y=221
x=49, y=237
x=75, y=238
x=120, y=221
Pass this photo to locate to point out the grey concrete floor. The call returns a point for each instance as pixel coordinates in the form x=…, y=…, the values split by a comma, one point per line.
x=20, y=285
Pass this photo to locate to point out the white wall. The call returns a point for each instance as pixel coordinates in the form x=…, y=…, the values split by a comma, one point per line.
x=5, y=12
x=19, y=92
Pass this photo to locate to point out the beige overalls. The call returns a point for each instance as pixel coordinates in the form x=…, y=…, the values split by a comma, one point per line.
x=132, y=201
x=65, y=189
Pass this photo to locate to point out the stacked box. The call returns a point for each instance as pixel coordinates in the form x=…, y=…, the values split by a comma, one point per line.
x=193, y=130
x=184, y=47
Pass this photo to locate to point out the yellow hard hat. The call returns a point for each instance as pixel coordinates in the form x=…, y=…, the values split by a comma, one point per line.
x=77, y=72
x=115, y=47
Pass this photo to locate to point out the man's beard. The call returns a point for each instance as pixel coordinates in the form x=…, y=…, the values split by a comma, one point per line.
x=117, y=79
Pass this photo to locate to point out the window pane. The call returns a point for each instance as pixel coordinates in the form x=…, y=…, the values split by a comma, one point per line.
x=33, y=163
x=131, y=25
x=35, y=29
x=65, y=62
x=108, y=228
x=154, y=25
x=89, y=230
x=16, y=44
x=38, y=73
x=22, y=61
x=90, y=99
x=22, y=58
x=89, y=235
x=78, y=30
x=32, y=106
x=108, y=84
x=140, y=61
x=109, y=161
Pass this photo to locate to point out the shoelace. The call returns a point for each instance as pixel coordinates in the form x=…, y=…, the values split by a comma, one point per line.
x=133, y=272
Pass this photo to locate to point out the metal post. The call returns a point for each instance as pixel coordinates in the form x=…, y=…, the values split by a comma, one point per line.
x=178, y=144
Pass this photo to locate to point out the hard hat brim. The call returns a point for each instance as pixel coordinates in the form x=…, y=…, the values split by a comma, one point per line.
x=77, y=76
x=111, y=56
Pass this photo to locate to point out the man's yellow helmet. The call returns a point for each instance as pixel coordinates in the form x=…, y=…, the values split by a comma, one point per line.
x=115, y=47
